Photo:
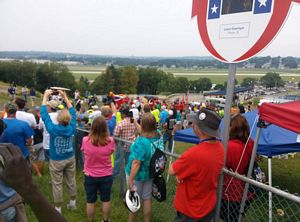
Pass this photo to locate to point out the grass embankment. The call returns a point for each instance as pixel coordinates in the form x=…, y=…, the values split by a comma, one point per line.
x=285, y=174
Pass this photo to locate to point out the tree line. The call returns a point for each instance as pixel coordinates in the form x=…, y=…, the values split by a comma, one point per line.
x=127, y=79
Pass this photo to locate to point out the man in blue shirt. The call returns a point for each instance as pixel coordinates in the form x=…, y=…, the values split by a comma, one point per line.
x=18, y=132
x=8, y=196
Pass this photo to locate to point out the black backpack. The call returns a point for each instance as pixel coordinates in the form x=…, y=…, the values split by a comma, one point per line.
x=158, y=163
x=159, y=189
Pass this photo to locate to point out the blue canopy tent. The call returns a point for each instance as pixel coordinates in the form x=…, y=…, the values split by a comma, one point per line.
x=273, y=141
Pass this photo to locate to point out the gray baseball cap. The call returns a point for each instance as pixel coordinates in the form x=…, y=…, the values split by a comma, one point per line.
x=208, y=121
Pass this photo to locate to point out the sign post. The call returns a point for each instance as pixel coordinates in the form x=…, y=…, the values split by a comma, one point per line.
x=225, y=135
x=234, y=31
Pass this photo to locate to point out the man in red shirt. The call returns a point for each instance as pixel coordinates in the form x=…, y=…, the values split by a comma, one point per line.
x=198, y=169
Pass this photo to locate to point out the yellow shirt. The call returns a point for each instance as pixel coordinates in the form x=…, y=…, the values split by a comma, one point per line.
x=118, y=117
x=155, y=113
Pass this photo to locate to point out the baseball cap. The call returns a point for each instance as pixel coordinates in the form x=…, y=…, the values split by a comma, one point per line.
x=208, y=121
x=53, y=104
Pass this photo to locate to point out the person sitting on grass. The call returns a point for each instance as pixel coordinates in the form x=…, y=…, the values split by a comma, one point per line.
x=97, y=148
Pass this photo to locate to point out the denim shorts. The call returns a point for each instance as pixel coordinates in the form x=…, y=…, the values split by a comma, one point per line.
x=93, y=185
x=9, y=214
x=144, y=188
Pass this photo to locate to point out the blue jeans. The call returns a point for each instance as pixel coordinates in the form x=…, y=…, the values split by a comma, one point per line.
x=168, y=137
x=47, y=155
x=120, y=156
x=9, y=214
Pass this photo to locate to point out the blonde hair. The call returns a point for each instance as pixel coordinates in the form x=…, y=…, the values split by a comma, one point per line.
x=99, y=134
x=148, y=125
x=64, y=117
x=106, y=111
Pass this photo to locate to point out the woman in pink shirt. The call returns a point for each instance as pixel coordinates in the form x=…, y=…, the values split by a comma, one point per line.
x=97, y=148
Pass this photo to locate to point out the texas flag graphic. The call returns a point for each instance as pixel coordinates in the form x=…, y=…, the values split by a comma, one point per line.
x=262, y=6
x=214, y=9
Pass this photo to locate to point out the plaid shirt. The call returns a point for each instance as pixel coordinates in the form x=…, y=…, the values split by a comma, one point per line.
x=125, y=130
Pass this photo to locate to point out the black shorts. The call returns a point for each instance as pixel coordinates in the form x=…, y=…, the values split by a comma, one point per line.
x=93, y=185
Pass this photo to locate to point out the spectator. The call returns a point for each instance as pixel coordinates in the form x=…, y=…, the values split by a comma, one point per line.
x=24, y=93
x=137, y=168
x=51, y=108
x=18, y=132
x=22, y=115
x=96, y=112
x=196, y=193
x=10, y=200
x=238, y=158
x=155, y=112
x=32, y=94
x=109, y=114
x=11, y=92
x=124, y=130
x=16, y=174
x=163, y=115
x=169, y=128
x=135, y=112
x=62, y=161
x=97, y=148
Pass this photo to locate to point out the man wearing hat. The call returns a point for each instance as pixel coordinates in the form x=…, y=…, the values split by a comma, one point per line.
x=198, y=169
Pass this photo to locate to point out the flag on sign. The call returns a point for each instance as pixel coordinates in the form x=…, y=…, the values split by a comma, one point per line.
x=262, y=6
x=214, y=9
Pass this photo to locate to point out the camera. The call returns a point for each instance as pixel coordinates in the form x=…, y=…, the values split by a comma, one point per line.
x=107, y=100
x=55, y=93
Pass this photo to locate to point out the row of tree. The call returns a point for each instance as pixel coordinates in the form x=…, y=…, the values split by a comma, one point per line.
x=127, y=79
x=39, y=76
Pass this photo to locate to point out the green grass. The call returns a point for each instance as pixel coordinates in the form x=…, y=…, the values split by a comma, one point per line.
x=286, y=174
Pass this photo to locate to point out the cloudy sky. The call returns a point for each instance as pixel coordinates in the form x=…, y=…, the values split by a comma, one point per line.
x=117, y=27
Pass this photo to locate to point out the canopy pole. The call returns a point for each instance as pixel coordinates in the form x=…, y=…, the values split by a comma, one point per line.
x=270, y=184
x=170, y=161
x=251, y=164
x=225, y=134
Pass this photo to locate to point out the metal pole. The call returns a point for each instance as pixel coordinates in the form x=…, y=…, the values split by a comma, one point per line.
x=270, y=184
x=253, y=156
x=225, y=135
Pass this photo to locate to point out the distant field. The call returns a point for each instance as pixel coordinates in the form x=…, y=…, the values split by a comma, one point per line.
x=217, y=76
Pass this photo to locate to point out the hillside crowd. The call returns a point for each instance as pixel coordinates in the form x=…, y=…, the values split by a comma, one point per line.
x=59, y=130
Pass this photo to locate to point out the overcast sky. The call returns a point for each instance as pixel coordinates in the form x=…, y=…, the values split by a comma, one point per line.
x=117, y=27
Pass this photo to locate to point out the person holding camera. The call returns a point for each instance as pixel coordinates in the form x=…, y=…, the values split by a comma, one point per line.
x=62, y=160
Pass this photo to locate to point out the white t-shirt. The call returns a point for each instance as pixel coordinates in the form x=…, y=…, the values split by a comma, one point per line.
x=27, y=117
x=95, y=114
x=46, y=136
x=135, y=113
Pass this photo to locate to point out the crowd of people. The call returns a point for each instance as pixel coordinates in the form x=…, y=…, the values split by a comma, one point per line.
x=61, y=129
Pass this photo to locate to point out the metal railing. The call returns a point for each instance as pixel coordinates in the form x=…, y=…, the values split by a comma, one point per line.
x=285, y=206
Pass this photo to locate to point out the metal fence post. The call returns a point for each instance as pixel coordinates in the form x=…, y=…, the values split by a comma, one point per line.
x=225, y=135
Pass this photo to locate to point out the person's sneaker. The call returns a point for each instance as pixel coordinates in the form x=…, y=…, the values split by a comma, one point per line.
x=71, y=206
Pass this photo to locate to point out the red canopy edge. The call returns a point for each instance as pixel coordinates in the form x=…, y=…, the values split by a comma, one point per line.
x=285, y=115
